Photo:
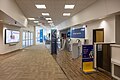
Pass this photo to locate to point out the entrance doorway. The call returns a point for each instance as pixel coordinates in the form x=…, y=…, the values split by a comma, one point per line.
x=98, y=35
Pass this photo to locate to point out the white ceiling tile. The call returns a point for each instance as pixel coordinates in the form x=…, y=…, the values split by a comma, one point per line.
x=54, y=7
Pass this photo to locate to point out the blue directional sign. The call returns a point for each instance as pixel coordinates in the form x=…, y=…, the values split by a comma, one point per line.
x=41, y=35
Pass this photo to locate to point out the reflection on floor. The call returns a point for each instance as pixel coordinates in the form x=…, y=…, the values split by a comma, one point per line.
x=72, y=68
x=4, y=56
x=33, y=63
x=48, y=46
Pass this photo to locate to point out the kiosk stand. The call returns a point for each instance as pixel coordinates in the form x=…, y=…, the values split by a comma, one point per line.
x=69, y=45
x=87, y=58
x=75, y=50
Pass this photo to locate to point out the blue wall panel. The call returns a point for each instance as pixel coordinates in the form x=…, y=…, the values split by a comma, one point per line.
x=41, y=35
x=78, y=33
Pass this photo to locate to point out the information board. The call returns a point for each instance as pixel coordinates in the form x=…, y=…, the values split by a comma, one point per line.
x=87, y=58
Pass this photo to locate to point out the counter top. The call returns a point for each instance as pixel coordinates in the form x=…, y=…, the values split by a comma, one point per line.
x=102, y=43
x=115, y=45
x=114, y=61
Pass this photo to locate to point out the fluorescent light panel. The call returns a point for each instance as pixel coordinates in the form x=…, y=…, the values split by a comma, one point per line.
x=50, y=21
x=36, y=21
x=66, y=14
x=48, y=18
x=31, y=18
x=45, y=14
x=1, y=20
x=40, y=6
x=69, y=6
x=39, y=24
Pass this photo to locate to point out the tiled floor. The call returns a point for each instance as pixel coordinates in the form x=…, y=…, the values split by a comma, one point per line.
x=33, y=63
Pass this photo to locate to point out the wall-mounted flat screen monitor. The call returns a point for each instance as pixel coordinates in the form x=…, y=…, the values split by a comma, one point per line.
x=12, y=36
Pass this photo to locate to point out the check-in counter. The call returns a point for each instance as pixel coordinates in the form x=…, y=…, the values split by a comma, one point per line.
x=103, y=57
x=115, y=60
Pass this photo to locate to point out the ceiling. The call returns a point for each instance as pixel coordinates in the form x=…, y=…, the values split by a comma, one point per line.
x=54, y=7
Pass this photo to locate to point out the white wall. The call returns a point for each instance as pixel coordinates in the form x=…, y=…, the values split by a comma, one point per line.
x=11, y=9
x=101, y=8
x=5, y=48
x=29, y=28
x=109, y=29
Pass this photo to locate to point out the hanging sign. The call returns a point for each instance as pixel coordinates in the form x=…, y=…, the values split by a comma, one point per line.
x=78, y=33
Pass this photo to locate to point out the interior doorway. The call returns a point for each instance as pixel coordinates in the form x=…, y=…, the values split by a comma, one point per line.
x=98, y=35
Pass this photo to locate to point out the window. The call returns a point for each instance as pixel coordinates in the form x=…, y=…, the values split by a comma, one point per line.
x=27, y=39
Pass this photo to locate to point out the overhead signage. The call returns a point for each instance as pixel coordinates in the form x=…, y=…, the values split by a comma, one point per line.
x=78, y=33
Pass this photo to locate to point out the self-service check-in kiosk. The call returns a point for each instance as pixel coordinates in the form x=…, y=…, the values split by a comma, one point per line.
x=75, y=50
x=76, y=47
x=69, y=44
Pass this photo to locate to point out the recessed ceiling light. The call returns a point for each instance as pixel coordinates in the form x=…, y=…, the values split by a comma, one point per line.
x=99, y=18
x=31, y=18
x=36, y=21
x=50, y=21
x=45, y=14
x=39, y=23
x=66, y=14
x=1, y=20
x=69, y=6
x=48, y=18
x=40, y=6
x=84, y=26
